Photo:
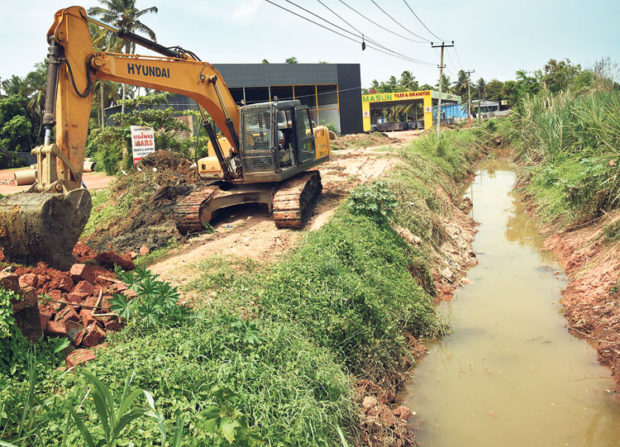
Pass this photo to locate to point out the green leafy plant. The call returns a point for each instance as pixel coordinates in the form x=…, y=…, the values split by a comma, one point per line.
x=156, y=301
x=224, y=424
x=375, y=201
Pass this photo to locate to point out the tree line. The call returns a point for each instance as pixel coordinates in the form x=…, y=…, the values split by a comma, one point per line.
x=555, y=76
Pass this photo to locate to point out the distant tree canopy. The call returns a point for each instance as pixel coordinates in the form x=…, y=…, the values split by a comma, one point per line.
x=291, y=60
x=555, y=76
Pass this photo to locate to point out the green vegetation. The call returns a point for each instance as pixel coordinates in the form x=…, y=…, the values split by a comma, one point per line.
x=568, y=143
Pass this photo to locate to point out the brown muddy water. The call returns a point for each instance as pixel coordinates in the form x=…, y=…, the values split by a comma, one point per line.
x=509, y=373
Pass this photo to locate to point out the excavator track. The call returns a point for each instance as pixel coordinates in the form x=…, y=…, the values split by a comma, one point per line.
x=188, y=212
x=292, y=200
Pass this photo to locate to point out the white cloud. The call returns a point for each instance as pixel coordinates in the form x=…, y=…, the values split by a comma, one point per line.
x=246, y=10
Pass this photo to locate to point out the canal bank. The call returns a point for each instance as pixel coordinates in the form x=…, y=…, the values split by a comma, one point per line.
x=509, y=373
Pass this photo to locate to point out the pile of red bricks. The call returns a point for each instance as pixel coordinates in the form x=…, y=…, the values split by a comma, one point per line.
x=73, y=304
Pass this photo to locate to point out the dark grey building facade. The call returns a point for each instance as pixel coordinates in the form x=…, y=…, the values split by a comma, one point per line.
x=332, y=91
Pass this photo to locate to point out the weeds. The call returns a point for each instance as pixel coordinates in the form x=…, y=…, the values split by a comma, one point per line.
x=156, y=302
x=569, y=144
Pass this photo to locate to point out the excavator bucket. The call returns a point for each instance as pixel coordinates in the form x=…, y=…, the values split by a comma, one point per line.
x=43, y=226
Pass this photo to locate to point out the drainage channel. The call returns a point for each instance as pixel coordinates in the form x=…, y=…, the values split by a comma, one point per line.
x=509, y=373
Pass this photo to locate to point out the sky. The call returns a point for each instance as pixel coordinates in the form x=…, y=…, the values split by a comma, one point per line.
x=493, y=37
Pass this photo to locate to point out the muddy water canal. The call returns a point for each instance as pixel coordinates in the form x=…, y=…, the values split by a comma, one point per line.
x=509, y=373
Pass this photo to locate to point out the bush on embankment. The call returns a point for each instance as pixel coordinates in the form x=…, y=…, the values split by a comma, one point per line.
x=570, y=146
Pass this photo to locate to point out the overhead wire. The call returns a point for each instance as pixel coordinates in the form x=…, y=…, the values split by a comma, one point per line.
x=459, y=58
x=379, y=25
x=425, y=40
x=420, y=20
x=389, y=53
x=360, y=33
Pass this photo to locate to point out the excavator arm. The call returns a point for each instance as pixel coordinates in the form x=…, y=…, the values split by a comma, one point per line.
x=80, y=66
x=45, y=223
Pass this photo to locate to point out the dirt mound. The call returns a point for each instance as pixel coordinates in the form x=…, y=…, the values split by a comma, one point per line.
x=168, y=161
x=359, y=140
x=143, y=203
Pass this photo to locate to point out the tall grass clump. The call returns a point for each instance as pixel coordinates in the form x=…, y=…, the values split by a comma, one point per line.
x=570, y=144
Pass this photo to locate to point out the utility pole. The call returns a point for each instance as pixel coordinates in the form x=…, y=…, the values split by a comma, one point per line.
x=441, y=67
x=469, y=95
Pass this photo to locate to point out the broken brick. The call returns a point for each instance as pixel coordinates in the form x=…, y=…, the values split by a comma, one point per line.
x=78, y=357
x=109, y=259
x=84, y=287
x=83, y=271
x=62, y=282
x=113, y=325
x=77, y=298
x=120, y=286
x=56, y=328
x=28, y=280
x=87, y=317
x=66, y=314
x=91, y=301
x=130, y=294
x=73, y=328
x=94, y=336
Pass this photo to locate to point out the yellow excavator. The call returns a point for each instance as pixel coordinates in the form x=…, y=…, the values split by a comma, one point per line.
x=263, y=156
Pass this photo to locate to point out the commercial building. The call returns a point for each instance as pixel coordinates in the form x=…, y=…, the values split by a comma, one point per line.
x=332, y=91
x=375, y=105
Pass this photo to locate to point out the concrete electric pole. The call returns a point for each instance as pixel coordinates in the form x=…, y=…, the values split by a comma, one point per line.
x=469, y=95
x=441, y=67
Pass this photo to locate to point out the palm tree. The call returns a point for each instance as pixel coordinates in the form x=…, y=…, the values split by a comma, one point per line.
x=407, y=81
x=124, y=15
x=460, y=86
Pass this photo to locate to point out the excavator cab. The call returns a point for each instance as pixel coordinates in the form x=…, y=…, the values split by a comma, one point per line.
x=277, y=140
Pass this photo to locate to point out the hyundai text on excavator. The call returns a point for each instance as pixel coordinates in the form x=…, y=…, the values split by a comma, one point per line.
x=263, y=156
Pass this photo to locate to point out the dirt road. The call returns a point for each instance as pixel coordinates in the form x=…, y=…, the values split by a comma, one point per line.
x=249, y=232
x=93, y=180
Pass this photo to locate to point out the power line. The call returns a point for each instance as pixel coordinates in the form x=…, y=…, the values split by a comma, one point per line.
x=360, y=33
x=347, y=37
x=379, y=25
x=420, y=20
x=452, y=62
x=459, y=58
x=398, y=23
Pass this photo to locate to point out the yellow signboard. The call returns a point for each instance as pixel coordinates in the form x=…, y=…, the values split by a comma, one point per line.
x=425, y=95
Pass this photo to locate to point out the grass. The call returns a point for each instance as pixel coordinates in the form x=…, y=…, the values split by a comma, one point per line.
x=568, y=145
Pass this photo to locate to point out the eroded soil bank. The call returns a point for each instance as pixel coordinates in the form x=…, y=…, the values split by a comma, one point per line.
x=591, y=299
